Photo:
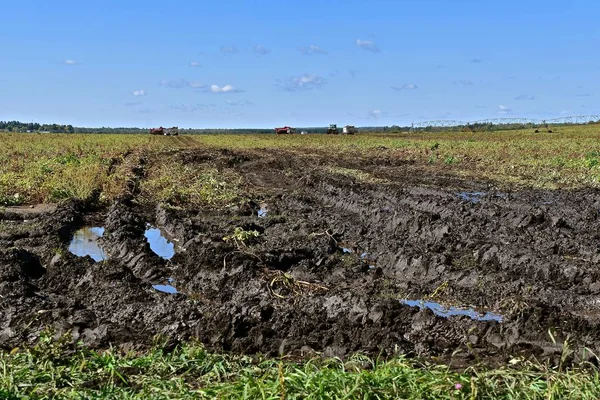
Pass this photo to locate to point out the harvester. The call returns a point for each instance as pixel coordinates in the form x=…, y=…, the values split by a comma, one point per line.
x=174, y=131
x=332, y=130
x=285, y=130
x=349, y=130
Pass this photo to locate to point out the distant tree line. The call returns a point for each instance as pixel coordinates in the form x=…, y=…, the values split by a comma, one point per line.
x=16, y=126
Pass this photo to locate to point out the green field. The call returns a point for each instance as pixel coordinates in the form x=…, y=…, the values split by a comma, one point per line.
x=49, y=168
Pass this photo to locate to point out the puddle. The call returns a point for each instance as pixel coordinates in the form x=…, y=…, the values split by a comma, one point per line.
x=262, y=211
x=85, y=243
x=473, y=197
x=166, y=289
x=159, y=244
x=442, y=311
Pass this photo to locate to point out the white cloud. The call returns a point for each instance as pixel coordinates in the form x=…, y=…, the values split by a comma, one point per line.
x=138, y=93
x=504, y=109
x=377, y=113
x=229, y=49
x=196, y=85
x=223, y=89
x=71, y=62
x=367, y=45
x=312, y=49
x=180, y=84
x=464, y=82
x=195, y=64
x=302, y=82
x=260, y=50
x=406, y=86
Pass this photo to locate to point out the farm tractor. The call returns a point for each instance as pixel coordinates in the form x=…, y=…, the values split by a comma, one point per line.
x=346, y=130
x=174, y=131
x=332, y=130
x=285, y=130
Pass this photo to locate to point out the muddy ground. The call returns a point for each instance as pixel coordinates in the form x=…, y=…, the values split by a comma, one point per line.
x=344, y=241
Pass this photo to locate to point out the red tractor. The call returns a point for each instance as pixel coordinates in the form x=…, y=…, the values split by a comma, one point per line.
x=174, y=131
x=285, y=130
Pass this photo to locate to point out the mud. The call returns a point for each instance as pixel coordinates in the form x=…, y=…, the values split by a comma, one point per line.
x=335, y=260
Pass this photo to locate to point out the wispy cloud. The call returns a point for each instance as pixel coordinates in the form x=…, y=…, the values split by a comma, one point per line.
x=260, y=50
x=476, y=61
x=206, y=109
x=139, y=93
x=464, y=82
x=406, y=86
x=229, y=49
x=195, y=64
x=312, y=49
x=181, y=83
x=70, y=62
x=133, y=103
x=238, y=103
x=525, y=97
x=377, y=113
x=367, y=45
x=224, y=89
x=302, y=82
x=584, y=95
x=504, y=109
x=173, y=84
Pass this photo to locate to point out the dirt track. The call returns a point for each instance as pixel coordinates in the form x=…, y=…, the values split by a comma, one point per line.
x=530, y=257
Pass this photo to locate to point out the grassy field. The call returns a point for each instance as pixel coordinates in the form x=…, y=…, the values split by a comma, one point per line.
x=51, y=370
x=50, y=168
x=53, y=168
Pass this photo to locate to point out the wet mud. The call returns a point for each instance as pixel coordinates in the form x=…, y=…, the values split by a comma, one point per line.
x=416, y=263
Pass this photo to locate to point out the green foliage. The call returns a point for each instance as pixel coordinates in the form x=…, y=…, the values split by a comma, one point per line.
x=241, y=236
x=56, y=370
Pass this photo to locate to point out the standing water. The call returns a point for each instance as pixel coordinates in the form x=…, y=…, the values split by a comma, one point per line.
x=159, y=243
x=85, y=243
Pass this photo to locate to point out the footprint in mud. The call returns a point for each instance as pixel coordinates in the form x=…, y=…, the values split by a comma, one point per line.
x=85, y=243
x=444, y=312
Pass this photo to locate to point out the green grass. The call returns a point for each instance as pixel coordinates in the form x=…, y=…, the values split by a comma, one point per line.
x=52, y=370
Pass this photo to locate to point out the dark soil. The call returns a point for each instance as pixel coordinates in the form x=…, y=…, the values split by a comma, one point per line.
x=531, y=256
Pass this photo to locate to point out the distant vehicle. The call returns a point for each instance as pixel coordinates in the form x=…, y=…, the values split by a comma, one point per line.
x=303, y=133
x=174, y=131
x=285, y=130
x=349, y=130
x=332, y=130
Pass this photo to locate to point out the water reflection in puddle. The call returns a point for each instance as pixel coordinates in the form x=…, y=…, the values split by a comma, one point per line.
x=165, y=289
x=159, y=243
x=262, y=211
x=473, y=197
x=442, y=311
x=85, y=243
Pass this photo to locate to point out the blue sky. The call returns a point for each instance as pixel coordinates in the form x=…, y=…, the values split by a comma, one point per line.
x=259, y=63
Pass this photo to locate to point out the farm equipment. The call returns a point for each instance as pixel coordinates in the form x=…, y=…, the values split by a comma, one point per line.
x=332, y=130
x=174, y=131
x=349, y=130
x=285, y=130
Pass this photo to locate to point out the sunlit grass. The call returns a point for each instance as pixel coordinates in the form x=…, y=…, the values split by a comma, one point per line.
x=52, y=370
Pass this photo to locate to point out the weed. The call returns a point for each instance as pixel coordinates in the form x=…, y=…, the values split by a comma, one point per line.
x=241, y=236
